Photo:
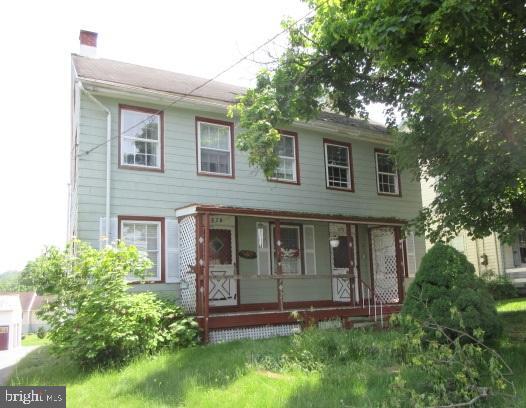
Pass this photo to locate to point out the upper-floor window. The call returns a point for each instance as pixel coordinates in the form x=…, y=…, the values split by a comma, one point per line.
x=338, y=165
x=387, y=180
x=287, y=151
x=140, y=141
x=145, y=234
x=214, y=147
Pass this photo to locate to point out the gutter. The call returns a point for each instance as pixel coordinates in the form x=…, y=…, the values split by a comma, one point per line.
x=108, y=157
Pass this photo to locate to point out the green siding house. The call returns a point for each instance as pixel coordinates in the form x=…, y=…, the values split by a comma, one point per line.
x=154, y=163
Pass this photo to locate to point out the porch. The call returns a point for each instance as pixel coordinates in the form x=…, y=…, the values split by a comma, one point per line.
x=274, y=272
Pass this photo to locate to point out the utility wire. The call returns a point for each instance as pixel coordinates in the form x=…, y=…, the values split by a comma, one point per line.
x=205, y=83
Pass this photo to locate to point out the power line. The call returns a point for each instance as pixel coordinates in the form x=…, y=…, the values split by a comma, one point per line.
x=205, y=83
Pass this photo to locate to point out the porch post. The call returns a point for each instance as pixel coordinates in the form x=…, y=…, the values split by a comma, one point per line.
x=399, y=263
x=350, y=251
x=198, y=269
x=206, y=273
x=279, y=256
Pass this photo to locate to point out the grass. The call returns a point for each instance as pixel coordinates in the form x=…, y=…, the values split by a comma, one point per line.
x=513, y=346
x=358, y=372
x=33, y=340
x=220, y=375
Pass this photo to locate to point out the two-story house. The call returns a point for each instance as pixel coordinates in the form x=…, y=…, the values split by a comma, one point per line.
x=154, y=163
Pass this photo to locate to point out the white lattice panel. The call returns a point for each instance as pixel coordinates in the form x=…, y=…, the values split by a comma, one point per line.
x=187, y=236
x=254, y=333
x=330, y=324
x=384, y=262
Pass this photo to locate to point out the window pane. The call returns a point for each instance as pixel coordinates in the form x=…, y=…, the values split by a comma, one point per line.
x=340, y=254
x=289, y=238
x=140, y=138
x=285, y=169
x=337, y=177
x=337, y=155
x=153, y=256
x=286, y=146
x=214, y=161
x=145, y=237
x=387, y=183
x=128, y=233
x=220, y=247
x=290, y=243
x=151, y=160
x=140, y=125
x=152, y=237
x=385, y=163
x=214, y=136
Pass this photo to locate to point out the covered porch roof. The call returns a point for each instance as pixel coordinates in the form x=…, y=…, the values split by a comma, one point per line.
x=193, y=209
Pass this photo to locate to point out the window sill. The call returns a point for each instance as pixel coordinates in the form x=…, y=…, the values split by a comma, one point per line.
x=219, y=175
x=389, y=194
x=349, y=190
x=274, y=180
x=146, y=282
x=141, y=168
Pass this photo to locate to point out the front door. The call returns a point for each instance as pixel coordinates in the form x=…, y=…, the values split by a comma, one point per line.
x=222, y=255
x=384, y=264
x=343, y=257
x=290, y=249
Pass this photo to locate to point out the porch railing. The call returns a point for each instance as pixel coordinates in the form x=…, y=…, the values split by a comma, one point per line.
x=377, y=307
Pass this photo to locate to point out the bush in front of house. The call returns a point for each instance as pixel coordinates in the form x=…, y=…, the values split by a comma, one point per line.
x=447, y=292
x=93, y=317
x=41, y=333
x=500, y=287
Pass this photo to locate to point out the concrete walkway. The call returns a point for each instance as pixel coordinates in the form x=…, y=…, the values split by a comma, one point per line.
x=9, y=359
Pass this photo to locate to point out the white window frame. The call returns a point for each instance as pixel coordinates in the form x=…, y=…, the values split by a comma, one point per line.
x=378, y=173
x=294, y=180
x=229, y=151
x=158, y=276
x=348, y=167
x=158, y=142
x=273, y=248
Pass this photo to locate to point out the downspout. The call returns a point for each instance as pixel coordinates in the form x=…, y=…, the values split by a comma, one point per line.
x=108, y=157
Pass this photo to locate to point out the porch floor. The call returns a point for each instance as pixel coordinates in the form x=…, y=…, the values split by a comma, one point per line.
x=305, y=316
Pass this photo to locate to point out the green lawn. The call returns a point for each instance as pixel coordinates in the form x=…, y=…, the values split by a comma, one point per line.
x=33, y=340
x=358, y=369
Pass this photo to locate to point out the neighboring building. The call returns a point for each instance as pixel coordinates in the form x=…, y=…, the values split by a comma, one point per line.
x=154, y=163
x=31, y=304
x=488, y=254
x=10, y=322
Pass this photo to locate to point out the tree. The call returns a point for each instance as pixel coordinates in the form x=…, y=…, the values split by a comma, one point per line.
x=447, y=292
x=93, y=317
x=455, y=71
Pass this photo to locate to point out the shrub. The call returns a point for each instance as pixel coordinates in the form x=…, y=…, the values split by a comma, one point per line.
x=451, y=372
x=93, y=317
x=447, y=292
x=501, y=287
x=41, y=333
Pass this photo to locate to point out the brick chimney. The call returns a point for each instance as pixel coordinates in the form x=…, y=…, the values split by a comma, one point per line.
x=88, y=43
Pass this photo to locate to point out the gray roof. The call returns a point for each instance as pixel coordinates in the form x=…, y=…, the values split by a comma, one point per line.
x=101, y=69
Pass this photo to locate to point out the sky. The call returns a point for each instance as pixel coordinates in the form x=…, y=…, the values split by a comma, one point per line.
x=37, y=37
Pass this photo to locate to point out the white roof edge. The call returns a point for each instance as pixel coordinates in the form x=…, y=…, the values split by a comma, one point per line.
x=185, y=211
